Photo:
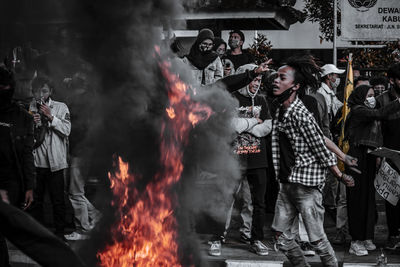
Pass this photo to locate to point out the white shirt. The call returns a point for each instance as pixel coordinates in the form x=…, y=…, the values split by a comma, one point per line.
x=332, y=102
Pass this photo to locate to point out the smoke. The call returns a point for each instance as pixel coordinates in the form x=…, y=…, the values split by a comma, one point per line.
x=119, y=44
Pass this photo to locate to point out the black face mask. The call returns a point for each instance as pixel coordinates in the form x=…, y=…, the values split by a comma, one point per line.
x=279, y=99
x=6, y=97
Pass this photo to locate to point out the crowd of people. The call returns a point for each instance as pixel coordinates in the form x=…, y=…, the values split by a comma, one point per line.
x=286, y=129
x=40, y=155
x=288, y=121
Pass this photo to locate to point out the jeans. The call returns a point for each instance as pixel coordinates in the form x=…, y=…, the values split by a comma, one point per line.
x=84, y=211
x=294, y=199
x=246, y=211
x=257, y=179
x=341, y=213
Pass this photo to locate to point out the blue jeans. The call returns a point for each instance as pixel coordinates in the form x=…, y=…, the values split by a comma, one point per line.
x=292, y=200
x=84, y=211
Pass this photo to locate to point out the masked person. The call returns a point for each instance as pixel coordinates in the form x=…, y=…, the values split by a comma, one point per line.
x=363, y=131
x=391, y=133
x=205, y=65
x=16, y=160
x=380, y=84
x=51, y=156
x=301, y=160
x=219, y=46
x=236, y=54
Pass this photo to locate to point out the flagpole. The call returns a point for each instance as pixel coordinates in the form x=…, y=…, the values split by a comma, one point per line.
x=334, y=32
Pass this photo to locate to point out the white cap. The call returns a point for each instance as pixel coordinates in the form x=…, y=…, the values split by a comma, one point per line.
x=330, y=68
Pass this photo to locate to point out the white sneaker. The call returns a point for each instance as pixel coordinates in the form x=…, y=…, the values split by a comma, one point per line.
x=369, y=245
x=215, y=248
x=259, y=248
x=76, y=236
x=357, y=248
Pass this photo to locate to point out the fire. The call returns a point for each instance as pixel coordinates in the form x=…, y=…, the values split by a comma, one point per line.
x=145, y=233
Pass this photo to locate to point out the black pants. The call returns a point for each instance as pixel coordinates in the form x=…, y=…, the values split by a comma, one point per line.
x=257, y=179
x=54, y=182
x=393, y=218
x=361, y=207
x=35, y=240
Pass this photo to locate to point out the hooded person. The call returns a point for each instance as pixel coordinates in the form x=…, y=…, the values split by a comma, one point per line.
x=220, y=46
x=363, y=131
x=252, y=125
x=16, y=159
x=205, y=65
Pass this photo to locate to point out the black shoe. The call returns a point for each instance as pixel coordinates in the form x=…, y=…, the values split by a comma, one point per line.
x=244, y=238
x=307, y=249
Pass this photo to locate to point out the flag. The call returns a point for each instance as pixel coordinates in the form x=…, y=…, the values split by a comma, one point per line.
x=344, y=144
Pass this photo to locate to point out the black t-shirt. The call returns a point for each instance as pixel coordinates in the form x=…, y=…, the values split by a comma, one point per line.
x=250, y=148
x=240, y=60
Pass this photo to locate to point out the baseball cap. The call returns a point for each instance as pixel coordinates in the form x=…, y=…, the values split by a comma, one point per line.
x=330, y=68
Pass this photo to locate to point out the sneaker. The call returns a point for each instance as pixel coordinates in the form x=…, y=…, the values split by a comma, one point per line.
x=393, y=243
x=369, y=245
x=340, y=237
x=76, y=236
x=95, y=221
x=357, y=248
x=307, y=249
x=259, y=248
x=271, y=245
x=244, y=238
x=215, y=248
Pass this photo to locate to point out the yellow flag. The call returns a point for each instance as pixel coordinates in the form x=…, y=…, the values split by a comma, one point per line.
x=343, y=144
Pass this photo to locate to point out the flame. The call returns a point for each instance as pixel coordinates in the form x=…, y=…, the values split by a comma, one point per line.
x=170, y=112
x=145, y=233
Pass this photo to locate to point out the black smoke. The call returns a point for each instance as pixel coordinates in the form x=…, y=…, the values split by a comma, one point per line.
x=119, y=42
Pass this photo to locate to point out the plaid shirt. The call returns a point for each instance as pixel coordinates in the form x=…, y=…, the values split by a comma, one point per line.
x=311, y=155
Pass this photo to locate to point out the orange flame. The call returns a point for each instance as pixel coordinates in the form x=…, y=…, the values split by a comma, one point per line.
x=145, y=231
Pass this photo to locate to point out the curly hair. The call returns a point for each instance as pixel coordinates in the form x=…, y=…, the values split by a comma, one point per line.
x=306, y=72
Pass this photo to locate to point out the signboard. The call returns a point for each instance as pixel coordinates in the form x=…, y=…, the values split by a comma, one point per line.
x=373, y=20
x=387, y=183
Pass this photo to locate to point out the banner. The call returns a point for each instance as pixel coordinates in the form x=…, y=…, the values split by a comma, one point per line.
x=374, y=20
x=387, y=183
x=344, y=145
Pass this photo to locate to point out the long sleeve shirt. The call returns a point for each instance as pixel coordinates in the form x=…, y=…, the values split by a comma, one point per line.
x=311, y=156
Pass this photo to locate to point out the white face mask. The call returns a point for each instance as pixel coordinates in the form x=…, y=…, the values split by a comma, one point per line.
x=336, y=83
x=370, y=102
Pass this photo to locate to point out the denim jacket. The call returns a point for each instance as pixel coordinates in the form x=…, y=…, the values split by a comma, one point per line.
x=363, y=126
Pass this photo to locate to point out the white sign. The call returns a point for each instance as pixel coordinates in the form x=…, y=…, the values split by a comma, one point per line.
x=387, y=183
x=373, y=20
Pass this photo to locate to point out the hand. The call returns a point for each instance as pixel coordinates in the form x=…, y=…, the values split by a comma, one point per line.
x=350, y=161
x=346, y=179
x=36, y=118
x=259, y=120
x=46, y=111
x=28, y=198
x=4, y=196
x=263, y=67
